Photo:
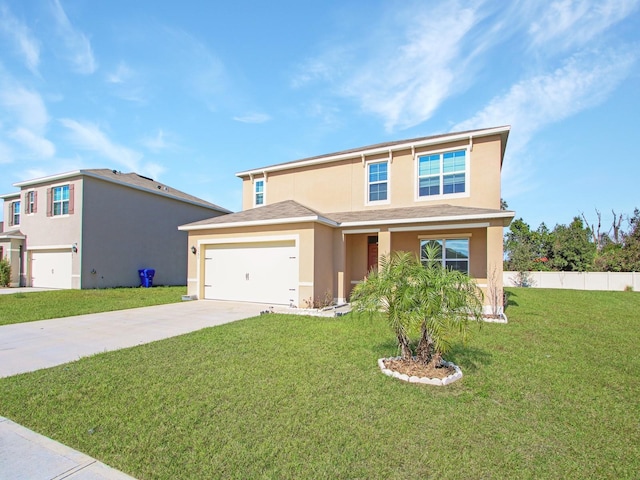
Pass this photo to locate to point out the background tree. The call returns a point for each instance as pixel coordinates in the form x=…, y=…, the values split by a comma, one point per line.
x=572, y=249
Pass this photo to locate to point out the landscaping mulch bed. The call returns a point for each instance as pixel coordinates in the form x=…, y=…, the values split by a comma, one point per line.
x=418, y=369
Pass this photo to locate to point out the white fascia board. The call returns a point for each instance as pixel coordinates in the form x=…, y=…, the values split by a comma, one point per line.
x=67, y=246
x=51, y=178
x=13, y=236
x=375, y=151
x=449, y=218
x=453, y=226
x=256, y=223
x=6, y=196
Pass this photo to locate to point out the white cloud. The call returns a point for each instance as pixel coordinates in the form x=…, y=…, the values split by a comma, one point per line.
x=89, y=137
x=159, y=142
x=26, y=44
x=566, y=23
x=253, y=118
x=38, y=145
x=78, y=46
x=6, y=155
x=534, y=103
x=27, y=106
x=121, y=74
x=410, y=64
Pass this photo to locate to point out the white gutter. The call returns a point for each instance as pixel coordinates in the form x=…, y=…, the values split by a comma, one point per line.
x=255, y=223
x=374, y=151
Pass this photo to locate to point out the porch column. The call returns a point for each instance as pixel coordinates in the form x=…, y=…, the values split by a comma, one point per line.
x=340, y=266
x=384, y=244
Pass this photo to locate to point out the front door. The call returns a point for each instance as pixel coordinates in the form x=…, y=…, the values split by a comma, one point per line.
x=372, y=253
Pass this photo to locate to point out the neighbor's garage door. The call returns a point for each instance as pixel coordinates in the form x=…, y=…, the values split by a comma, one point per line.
x=51, y=269
x=265, y=272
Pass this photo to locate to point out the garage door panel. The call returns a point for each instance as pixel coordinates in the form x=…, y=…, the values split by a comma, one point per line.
x=51, y=269
x=262, y=272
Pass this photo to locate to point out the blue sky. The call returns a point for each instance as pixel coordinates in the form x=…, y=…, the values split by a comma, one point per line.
x=191, y=92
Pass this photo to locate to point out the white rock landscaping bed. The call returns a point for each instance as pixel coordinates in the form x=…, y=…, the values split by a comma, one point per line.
x=425, y=380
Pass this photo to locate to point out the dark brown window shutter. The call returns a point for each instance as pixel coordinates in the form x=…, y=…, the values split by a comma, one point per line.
x=49, y=203
x=71, y=199
x=11, y=214
x=35, y=201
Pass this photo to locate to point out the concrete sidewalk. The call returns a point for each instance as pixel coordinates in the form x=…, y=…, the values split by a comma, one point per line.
x=27, y=455
x=25, y=347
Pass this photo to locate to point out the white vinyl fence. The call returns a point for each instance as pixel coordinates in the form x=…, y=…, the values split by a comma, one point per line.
x=578, y=280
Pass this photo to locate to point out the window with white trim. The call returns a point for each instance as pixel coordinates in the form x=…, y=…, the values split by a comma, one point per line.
x=442, y=173
x=15, y=213
x=377, y=181
x=258, y=192
x=60, y=196
x=31, y=199
x=452, y=253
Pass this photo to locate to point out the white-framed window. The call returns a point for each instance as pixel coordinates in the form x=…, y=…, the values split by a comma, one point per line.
x=15, y=213
x=31, y=202
x=452, y=253
x=258, y=192
x=60, y=200
x=377, y=182
x=442, y=173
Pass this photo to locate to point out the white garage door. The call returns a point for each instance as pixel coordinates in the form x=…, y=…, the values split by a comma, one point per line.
x=265, y=272
x=51, y=269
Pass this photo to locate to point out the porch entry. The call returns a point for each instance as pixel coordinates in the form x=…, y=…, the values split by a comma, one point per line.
x=372, y=252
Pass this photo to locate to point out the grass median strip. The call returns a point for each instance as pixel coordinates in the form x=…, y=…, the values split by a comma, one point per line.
x=32, y=306
x=552, y=394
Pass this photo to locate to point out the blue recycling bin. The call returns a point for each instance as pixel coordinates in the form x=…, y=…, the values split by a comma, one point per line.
x=146, y=277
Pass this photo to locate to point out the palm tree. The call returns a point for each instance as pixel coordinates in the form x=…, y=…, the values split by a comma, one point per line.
x=392, y=290
x=428, y=298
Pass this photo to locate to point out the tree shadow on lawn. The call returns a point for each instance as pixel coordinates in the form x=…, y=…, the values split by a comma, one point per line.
x=468, y=358
x=509, y=299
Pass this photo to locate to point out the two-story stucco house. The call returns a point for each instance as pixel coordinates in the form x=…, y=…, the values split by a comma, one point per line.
x=316, y=226
x=95, y=228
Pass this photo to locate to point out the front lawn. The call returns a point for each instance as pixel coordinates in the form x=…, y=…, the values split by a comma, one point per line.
x=552, y=394
x=28, y=307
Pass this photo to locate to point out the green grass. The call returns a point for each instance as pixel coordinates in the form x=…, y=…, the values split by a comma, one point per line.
x=28, y=307
x=552, y=394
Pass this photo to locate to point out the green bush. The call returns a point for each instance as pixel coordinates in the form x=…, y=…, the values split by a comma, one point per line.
x=5, y=273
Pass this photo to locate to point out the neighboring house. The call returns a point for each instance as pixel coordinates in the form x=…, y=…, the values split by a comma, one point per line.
x=314, y=227
x=96, y=228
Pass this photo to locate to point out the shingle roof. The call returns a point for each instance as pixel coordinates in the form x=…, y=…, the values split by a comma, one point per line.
x=290, y=210
x=147, y=183
x=285, y=210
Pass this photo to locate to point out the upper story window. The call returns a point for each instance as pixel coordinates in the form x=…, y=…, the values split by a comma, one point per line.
x=31, y=202
x=60, y=200
x=15, y=213
x=442, y=173
x=453, y=253
x=377, y=181
x=258, y=192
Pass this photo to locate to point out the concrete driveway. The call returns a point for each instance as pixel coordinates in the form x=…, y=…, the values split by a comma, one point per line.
x=25, y=347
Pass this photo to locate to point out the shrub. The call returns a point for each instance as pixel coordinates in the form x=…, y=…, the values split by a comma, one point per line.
x=5, y=273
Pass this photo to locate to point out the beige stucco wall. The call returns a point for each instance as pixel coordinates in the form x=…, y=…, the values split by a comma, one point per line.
x=340, y=186
x=126, y=229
